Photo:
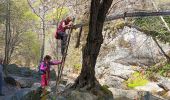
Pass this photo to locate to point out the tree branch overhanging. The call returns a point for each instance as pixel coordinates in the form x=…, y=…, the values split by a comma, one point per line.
x=150, y=33
x=133, y=14
x=34, y=9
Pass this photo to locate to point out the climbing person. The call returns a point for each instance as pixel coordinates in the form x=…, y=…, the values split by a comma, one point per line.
x=61, y=32
x=45, y=68
x=1, y=78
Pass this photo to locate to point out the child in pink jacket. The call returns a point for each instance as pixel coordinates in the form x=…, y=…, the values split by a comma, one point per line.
x=45, y=67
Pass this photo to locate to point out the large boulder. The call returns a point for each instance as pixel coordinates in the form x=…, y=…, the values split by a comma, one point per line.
x=84, y=95
x=112, y=81
x=129, y=51
x=19, y=81
x=26, y=72
x=13, y=69
x=120, y=94
x=114, y=74
x=165, y=84
x=151, y=87
x=25, y=94
x=32, y=93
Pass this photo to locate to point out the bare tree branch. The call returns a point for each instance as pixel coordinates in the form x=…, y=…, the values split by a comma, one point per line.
x=34, y=10
x=150, y=33
x=133, y=14
x=163, y=20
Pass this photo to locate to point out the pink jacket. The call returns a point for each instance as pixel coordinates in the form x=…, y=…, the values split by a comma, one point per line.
x=44, y=66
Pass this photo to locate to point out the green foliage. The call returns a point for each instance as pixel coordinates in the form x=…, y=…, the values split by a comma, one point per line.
x=137, y=79
x=22, y=19
x=30, y=47
x=2, y=12
x=31, y=16
x=164, y=70
x=151, y=76
x=77, y=67
x=58, y=13
x=155, y=24
x=105, y=89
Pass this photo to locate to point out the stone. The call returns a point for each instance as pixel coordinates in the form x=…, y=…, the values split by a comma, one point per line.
x=151, y=87
x=19, y=81
x=120, y=94
x=113, y=81
x=167, y=95
x=26, y=73
x=85, y=95
x=24, y=82
x=13, y=69
x=35, y=86
x=165, y=84
x=25, y=94
x=10, y=80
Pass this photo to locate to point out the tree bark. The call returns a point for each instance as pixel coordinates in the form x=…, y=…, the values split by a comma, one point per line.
x=43, y=26
x=78, y=37
x=43, y=42
x=7, y=37
x=99, y=9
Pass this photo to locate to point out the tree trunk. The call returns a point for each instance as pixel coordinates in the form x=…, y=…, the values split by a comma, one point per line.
x=78, y=37
x=43, y=38
x=7, y=37
x=43, y=42
x=87, y=78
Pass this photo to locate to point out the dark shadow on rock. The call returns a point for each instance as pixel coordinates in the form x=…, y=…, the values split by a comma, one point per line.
x=27, y=72
x=10, y=80
x=24, y=77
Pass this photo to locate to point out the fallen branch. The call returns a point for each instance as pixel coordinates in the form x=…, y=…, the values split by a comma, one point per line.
x=133, y=14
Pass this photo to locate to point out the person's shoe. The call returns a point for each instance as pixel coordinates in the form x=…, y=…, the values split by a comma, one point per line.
x=2, y=94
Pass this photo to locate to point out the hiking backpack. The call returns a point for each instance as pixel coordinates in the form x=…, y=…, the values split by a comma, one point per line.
x=41, y=72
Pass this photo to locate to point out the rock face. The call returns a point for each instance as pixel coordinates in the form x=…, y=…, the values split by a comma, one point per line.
x=120, y=94
x=130, y=48
x=151, y=87
x=165, y=84
x=26, y=94
x=120, y=54
x=19, y=81
x=84, y=95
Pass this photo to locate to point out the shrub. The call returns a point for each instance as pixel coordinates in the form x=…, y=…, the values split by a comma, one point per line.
x=164, y=70
x=137, y=79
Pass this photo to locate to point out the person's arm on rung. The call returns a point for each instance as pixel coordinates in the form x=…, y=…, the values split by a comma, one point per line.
x=67, y=26
x=55, y=62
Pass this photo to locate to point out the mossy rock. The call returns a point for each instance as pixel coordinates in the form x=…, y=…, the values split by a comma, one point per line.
x=105, y=89
x=96, y=94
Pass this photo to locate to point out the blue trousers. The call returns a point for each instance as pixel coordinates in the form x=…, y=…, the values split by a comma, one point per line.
x=63, y=37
